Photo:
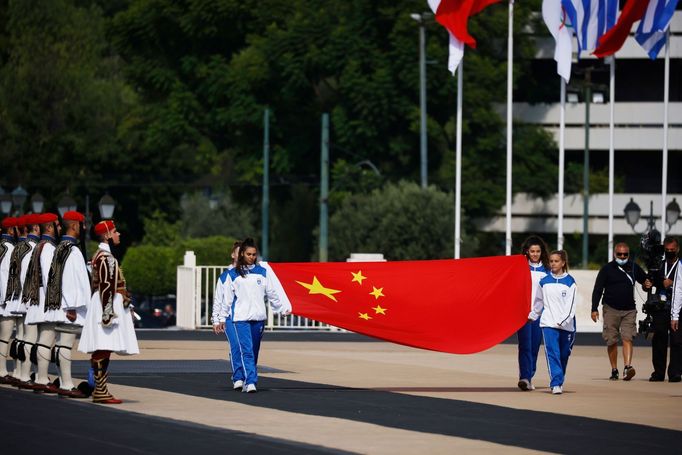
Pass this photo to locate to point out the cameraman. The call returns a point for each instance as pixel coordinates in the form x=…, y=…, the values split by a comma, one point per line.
x=664, y=332
x=615, y=282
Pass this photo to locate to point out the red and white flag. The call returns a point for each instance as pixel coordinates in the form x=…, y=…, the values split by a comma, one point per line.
x=459, y=306
x=454, y=16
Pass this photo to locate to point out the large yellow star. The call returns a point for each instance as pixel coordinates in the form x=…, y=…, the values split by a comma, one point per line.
x=358, y=277
x=364, y=316
x=377, y=292
x=378, y=310
x=316, y=288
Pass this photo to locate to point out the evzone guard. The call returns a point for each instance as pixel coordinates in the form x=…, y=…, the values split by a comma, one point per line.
x=109, y=323
x=66, y=299
x=13, y=307
x=33, y=297
x=7, y=245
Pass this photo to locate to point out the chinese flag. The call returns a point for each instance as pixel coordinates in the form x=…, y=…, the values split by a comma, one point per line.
x=458, y=306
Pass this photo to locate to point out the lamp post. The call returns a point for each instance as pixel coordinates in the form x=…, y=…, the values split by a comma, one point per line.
x=106, y=206
x=66, y=204
x=633, y=214
x=19, y=196
x=37, y=203
x=421, y=20
x=5, y=202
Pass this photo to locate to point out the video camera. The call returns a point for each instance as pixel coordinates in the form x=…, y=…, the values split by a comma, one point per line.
x=653, y=255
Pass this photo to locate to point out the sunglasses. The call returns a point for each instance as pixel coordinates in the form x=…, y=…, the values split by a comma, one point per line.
x=622, y=255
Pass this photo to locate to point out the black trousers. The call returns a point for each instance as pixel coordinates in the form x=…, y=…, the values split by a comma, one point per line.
x=664, y=337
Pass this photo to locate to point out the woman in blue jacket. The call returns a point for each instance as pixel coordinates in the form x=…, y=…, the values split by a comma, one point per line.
x=555, y=300
x=246, y=288
x=530, y=335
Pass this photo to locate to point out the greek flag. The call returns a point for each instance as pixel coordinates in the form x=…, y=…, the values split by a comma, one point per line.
x=590, y=19
x=652, y=28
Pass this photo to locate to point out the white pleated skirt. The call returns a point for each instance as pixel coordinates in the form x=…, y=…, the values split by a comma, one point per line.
x=119, y=337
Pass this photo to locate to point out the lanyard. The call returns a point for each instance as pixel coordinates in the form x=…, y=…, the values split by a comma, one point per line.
x=627, y=275
x=669, y=272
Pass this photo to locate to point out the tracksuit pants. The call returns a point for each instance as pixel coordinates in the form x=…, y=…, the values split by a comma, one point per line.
x=248, y=335
x=235, y=356
x=529, y=337
x=558, y=346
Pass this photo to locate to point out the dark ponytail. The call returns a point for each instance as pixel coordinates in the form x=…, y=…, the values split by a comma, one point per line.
x=241, y=262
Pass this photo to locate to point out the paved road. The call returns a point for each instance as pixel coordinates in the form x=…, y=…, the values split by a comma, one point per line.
x=347, y=395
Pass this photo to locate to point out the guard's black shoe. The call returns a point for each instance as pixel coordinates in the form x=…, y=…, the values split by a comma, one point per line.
x=614, y=374
x=656, y=378
x=675, y=379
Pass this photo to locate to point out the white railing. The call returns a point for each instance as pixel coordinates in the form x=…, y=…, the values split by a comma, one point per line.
x=195, y=290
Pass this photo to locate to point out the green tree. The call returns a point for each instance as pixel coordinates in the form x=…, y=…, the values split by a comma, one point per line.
x=402, y=221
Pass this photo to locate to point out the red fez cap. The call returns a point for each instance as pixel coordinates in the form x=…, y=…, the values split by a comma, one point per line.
x=72, y=215
x=21, y=221
x=32, y=218
x=47, y=218
x=103, y=227
x=9, y=222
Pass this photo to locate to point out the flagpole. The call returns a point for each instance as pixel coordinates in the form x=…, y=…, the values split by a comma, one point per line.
x=265, y=233
x=458, y=160
x=562, y=127
x=510, y=69
x=666, y=96
x=612, y=94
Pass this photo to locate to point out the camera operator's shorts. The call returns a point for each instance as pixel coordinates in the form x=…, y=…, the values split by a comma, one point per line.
x=619, y=324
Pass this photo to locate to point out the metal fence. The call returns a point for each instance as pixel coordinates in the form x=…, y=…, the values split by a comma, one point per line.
x=205, y=279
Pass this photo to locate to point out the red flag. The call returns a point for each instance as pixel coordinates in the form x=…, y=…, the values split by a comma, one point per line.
x=458, y=306
x=611, y=41
x=454, y=15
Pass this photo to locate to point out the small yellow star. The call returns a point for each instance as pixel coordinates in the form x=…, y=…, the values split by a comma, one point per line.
x=358, y=277
x=378, y=310
x=316, y=288
x=364, y=316
x=377, y=292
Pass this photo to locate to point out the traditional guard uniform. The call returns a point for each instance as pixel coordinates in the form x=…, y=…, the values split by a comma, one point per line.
x=34, y=298
x=109, y=322
x=68, y=290
x=21, y=256
x=30, y=331
x=7, y=245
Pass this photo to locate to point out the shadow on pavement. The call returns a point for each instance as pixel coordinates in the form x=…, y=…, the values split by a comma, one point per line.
x=537, y=430
x=46, y=424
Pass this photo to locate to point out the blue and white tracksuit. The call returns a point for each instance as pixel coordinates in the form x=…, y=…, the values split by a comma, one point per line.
x=530, y=335
x=242, y=302
x=555, y=300
x=237, y=370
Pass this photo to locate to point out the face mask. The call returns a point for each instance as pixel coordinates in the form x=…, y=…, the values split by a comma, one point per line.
x=670, y=255
x=620, y=261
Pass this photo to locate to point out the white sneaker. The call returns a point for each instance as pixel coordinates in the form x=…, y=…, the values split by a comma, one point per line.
x=238, y=385
x=557, y=390
x=250, y=388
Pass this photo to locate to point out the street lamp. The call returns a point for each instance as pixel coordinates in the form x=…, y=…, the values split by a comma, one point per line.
x=37, y=203
x=66, y=204
x=632, y=213
x=672, y=212
x=421, y=20
x=106, y=205
x=19, y=196
x=5, y=202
